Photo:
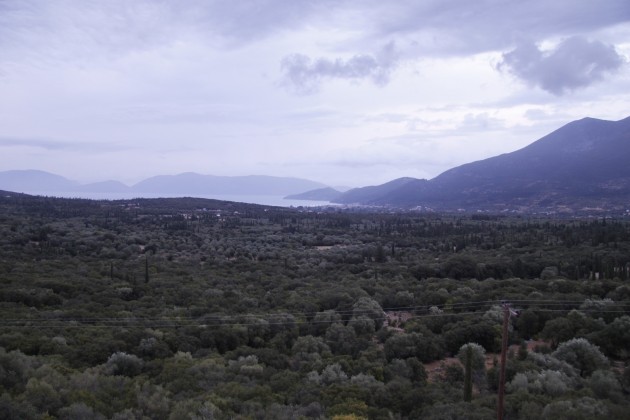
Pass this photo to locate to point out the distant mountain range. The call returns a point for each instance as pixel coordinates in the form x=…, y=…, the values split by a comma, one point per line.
x=583, y=165
x=186, y=184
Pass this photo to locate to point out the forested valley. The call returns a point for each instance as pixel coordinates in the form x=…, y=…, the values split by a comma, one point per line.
x=201, y=309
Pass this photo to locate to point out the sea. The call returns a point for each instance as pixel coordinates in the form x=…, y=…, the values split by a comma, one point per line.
x=266, y=200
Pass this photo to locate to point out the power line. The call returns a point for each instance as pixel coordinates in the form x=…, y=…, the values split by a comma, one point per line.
x=300, y=318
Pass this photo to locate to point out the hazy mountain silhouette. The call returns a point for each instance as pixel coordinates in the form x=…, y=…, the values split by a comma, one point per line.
x=376, y=194
x=190, y=184
x=583, y=164
x=29, y=181
x=320, y=194
x=586, y=163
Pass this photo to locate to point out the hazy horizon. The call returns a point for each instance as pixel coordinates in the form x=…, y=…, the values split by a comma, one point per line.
x=343, y=93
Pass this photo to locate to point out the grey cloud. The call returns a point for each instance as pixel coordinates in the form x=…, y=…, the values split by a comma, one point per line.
x=453, y=27
x=305, y=75
x=450, y=28
x=69, y=31
x=120, y=26
x=56, y=145
x=36, y=32
x=435, y=26
x=36, y=143
x=240, y=21
x=575, y=63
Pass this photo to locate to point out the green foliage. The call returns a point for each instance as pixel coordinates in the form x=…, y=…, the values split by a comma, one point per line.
x=546, y=382
x=405, y=345
x=191, y=308
x=15, y=369
x=457, y=411
x=475, y=353
x=472, y=357
x=604, y=384
x=581, y=354
x=615, y=338
x=579, y=409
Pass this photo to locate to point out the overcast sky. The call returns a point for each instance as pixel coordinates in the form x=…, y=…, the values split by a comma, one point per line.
x=354, y=93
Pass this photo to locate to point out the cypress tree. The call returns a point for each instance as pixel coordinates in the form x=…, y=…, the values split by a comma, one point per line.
x=468, y=375
x=146, y=269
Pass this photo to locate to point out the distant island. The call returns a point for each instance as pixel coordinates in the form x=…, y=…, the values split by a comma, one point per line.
x=320, y=194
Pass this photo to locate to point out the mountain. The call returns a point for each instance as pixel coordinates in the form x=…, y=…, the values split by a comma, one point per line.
x=320, y=194
x=375, y=194
x=30, y=181
x=190, y=183
x=583, y=164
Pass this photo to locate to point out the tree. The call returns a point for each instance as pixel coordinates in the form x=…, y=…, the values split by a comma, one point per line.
x=460, y=267
x=146, y=269
x=582, y=355
x=15, y=369
x=42, y=396
x=322, y=320
x=341, y=339
x=121, y=363
x=585, y=408
x=367, y=309
x=527, y=323
x=80, y=411
x=485, y=332
x=473, y=357
x=307, y=352
x=604, y=384
x=558, y=330
x=403, y=346
x=547, y=382
x=615, y=338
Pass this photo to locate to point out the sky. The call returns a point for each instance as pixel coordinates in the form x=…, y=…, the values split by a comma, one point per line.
x=344, y=92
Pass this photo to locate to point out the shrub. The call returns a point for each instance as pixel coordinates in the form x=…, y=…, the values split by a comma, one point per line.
x=121, y=363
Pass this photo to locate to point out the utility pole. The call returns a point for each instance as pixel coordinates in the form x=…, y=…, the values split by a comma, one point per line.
x=504, y=341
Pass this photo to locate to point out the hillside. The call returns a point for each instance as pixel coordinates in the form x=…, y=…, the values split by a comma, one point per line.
x=581, y=165
x=320, y=194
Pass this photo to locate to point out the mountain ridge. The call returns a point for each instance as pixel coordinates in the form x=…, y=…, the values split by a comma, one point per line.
x=187, y=183
x=583, y=163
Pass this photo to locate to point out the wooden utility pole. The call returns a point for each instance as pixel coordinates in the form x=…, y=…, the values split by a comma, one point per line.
x=504, y=341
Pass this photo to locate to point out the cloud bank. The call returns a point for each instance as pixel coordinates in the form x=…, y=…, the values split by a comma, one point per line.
x=575, y=63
